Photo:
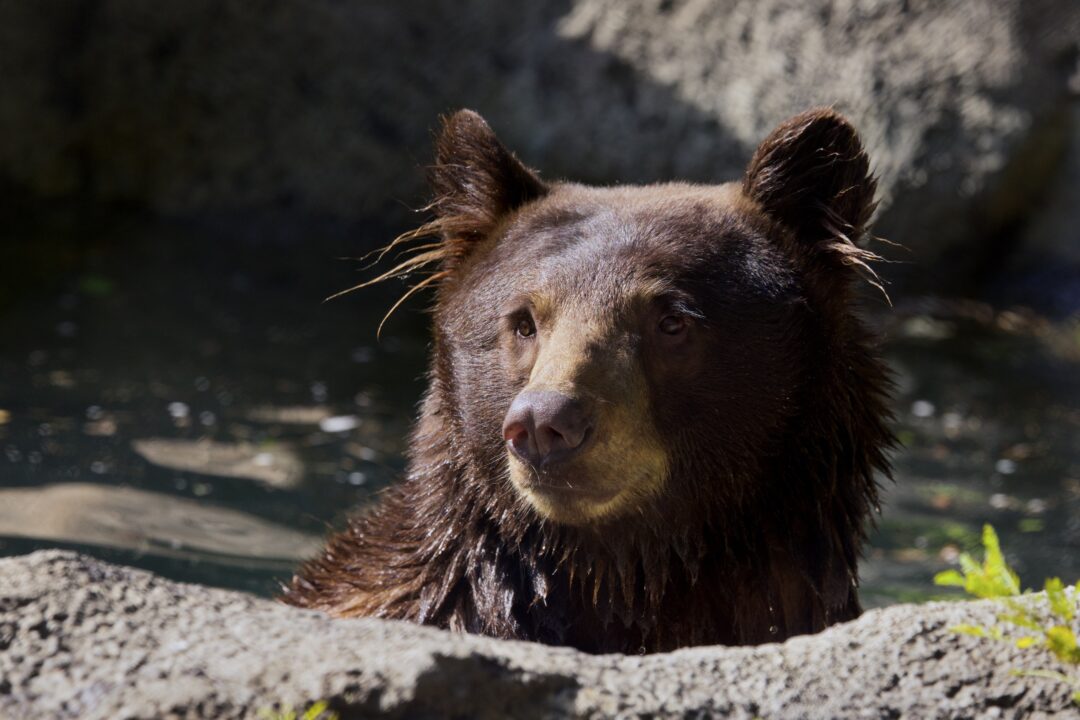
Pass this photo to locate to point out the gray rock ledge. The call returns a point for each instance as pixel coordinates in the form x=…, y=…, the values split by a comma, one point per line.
x=80, y=638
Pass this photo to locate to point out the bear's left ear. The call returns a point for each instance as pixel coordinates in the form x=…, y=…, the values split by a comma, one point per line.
x=476, y=180
x=812, y=174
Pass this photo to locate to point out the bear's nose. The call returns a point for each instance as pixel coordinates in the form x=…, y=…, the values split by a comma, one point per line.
x=544, y=427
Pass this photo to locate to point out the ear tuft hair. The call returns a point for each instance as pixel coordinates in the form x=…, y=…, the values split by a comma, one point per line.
x=476, y=180
x=812, y=174
x=810, y=167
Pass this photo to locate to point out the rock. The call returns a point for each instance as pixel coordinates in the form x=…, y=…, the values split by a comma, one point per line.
x=1044, y=272
x=150, y=523
x=325, y=107
x=278, y=467
x=80, y=638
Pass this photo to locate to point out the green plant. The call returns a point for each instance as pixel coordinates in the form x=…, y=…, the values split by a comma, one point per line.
x=316, y=711
x=994, y=579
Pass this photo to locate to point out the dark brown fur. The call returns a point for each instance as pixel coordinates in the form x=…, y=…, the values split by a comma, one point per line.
x=773, y=416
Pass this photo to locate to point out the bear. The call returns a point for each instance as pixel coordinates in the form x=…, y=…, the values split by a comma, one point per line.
x=653, y=418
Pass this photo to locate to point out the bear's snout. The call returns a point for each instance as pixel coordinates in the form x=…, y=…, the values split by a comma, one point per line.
x=545, y=427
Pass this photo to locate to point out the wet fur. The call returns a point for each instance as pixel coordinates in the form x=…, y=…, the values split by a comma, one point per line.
x=755, y=544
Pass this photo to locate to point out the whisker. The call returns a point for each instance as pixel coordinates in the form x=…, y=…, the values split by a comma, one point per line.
x=414, y=289
x=400, y=270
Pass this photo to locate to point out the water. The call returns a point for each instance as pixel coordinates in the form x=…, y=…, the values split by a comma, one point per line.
x=989, y=414
x=183, y=400
x=176, y=396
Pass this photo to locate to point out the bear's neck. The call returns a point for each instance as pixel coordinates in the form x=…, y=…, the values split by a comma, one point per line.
x=621, y=589
x=490, y=569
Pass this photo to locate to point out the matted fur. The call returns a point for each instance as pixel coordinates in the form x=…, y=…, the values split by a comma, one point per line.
x=747, y=548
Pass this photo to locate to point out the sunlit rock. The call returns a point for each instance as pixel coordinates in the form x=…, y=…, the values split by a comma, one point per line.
x=278, y=465
x=149, y=522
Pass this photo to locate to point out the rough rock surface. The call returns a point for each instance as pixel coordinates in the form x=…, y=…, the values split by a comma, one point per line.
x=326, y=106
x=83, y=639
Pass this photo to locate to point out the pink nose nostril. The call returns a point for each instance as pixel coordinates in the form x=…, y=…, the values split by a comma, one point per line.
x=544, y=427
x=517, y=437
x=515, y=431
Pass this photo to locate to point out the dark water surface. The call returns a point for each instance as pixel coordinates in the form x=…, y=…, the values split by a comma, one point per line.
x=177, y=397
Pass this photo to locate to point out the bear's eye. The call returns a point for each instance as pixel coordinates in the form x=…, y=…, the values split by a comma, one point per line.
x=525, y=327
x=672, y=324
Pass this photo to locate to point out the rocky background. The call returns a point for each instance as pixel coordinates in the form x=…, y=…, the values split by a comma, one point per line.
x=83, y=639
x=323, y=109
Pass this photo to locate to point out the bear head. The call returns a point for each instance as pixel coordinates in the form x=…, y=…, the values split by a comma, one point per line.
x=642, y=354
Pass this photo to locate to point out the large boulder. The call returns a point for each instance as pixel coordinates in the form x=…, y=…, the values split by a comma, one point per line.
x=80, y=638
x=1044, y=272
x=325, y=107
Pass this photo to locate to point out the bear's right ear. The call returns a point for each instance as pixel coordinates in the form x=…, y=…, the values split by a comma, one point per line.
x=476, y=180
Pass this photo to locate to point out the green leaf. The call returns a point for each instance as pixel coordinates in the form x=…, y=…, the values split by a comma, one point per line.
x=1060, y=604
x=270, y=714
x=949, y=578
x=1045, y=674
x=1005, y=581
x=1062, y=642
x=994, y=579
x=1021, y=621
x=994, y=556
x=991, y=579
x=968, y=565
x=315, y=711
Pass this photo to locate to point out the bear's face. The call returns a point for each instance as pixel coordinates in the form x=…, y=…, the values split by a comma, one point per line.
x=636, y=351
x=618, y=333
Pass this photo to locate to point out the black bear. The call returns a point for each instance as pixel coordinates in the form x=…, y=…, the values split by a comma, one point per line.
x=653, y=419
